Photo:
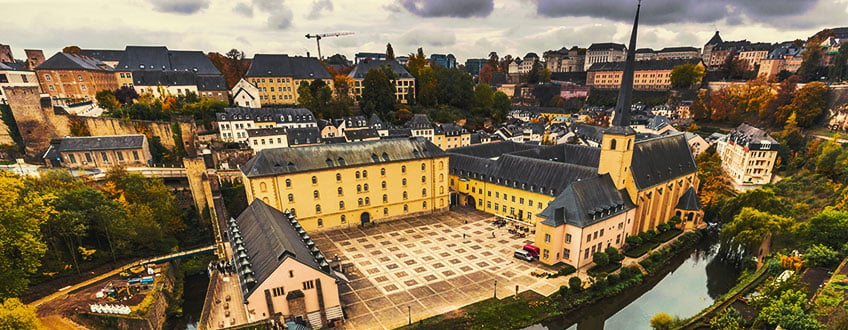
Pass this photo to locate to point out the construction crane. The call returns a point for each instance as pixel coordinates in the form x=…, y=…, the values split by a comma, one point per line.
x=318, y=37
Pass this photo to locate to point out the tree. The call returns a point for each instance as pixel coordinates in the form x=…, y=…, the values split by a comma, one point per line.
x=821, y=256
x=811, y=68
x=304, y=95
x=484, y=97
x=808, y=103
x=715, y=185
x=21, y=244
x=417, y=62
x=788, y=312
x=455, y=88
x=126, y=94
x=106, y=100
x=633, y=240
x=838, y=71
x=729, y=319
x=500, y=106
x=575, y=284
x=601, y=259
x=829, y=227
x=662, y=321
x=337, y=59
x=232, y=65
x=686, y=75
x=390, y=52
x=378, y=94
x=545, y=75
x=534, y=76
x=486, y=72
x=743, y=236
x=16, y=315
x=71, y=49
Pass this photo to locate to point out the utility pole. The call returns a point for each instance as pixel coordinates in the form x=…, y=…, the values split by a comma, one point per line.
x=320, y=36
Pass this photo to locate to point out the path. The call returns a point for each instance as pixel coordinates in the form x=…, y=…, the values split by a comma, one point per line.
x=830, y=138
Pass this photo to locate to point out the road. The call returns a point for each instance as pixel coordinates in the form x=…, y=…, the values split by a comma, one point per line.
x=830, y=138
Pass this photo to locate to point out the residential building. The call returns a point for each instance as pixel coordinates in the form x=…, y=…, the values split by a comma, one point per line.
x=404, y=81
x=751, y=55
x=683, y=109
x=445, y=61
x=74, y=77
x=277, y=77
x=748, y=154
x=603, y=53
x=474, y=65
x=359, y=135
x=213, y=87
x=571, y=90
x=99, y=152
x=358, y=57
x=678, y=53
x=350, y=123
x=527, y=62
x=173, y=70
x=245, y=95
x=164, y=83
x=282, y=275
x=644, y=54
x=348, y=184
x=11, y=76
x=109, y=56
x=233, y=123
x=785, y=57
x=421, y=126
x=402, y=60
x=696, y=143
x=649, y=75
x=449, y=136
x=260, y=139
x=565, y=60
x=708, y=48
x=328, y=130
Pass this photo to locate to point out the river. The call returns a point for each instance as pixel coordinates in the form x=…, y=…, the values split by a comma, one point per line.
x=685, y=287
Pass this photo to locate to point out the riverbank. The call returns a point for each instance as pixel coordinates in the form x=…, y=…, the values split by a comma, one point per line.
x=530, y=308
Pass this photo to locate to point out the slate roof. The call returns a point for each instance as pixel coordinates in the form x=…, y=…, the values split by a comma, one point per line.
x=111, y=55
x=644, y=51
x=361, y=134
x=164, y=78
x=211, y=83
x=715, y=40
x=657, y=122
x=689, y=201
x=643, y=65
x=279, y=115
x=192, y=61
x=269, y=239
x=268, y=131
x=678, y=49
x=304, y=135
x=565, y=153
x=528, y=174
x=587, y=202
x=531, y=55
x=491, y=150
x=660, y=159
x=67, y=61
x=364, y=66
x=752, y=138
x=606, y=46
x=419, y=121
x=6, y=67
x=314, y=158
x=399, y=133
x=353, y=122
x=588, y=132
x=376, y=122
x=450, y=129
x=281, y=65
x=112, y=142
x=144, y=58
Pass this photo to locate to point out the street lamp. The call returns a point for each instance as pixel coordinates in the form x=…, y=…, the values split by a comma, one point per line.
x=409, y=314
x=496, y=289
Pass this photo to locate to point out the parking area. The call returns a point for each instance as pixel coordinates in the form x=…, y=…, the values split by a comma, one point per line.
x=428, y=265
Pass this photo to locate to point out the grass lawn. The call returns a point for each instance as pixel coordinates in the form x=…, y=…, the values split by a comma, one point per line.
x=527, y=308
x=666, y=236
x=641, y=249
x=608, y=268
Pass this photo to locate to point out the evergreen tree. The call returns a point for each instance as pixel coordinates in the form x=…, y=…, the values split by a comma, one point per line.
x=378, y=94
x=390, y=52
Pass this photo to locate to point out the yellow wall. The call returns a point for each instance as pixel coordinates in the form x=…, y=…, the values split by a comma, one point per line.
x=280, y=90
x=257, y=306
x=487, y=195
x=572, y=240
x=449, y=142
x=274, y=191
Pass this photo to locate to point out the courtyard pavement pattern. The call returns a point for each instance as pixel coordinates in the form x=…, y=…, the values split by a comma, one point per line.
x=422, y=266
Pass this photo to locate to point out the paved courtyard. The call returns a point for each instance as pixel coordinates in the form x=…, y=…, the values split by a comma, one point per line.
x=424, y=267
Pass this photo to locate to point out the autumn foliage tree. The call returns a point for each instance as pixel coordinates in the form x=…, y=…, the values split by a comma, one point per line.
x=232, y=65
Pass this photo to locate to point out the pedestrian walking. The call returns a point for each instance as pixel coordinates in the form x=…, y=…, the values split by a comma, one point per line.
x=493, y=234
x=463, y=235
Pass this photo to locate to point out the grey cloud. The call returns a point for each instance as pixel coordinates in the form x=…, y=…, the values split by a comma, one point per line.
x=427, y=37
x=243, y=9
x=280, y=19
x=656, y=12
x=184, y=7
x=449, y=8
x=319, y=6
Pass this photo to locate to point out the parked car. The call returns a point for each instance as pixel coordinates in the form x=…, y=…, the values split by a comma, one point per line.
x=523, y=255
x=532, y=249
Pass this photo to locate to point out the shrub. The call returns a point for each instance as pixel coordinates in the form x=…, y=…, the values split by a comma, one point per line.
x=662, y=321
x=633, y=240
x=614, y=254
x=601, y=259
x=674, y=221
x=613, y=279
x=649, y=234
x=563, y=291
x=629, y=272
x=566, y=270
x=821, y=256
x=663, y=227
x=575, y=284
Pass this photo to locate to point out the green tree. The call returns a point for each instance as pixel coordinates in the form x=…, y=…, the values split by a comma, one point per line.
x=821, y=256
x=811, y=67
x=838, y=71
x=484, y=97
x=729, y=319
x=106, y=100
x=417, y=62
x=304, y=95
x=788, y=312
x=662, y=321
x=575, y=284
x=500, y=106
x=808, y=103
x=601, y=259
x=378, y=94
x=455, y=88
x=21, y=244
x=535, y=74
x=614, y=254
x=686, y=75
x=16, y=315
x=743, y=236
x=390, y=52
x=829, y=227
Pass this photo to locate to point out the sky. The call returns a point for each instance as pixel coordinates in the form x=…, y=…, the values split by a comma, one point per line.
x=465, y=28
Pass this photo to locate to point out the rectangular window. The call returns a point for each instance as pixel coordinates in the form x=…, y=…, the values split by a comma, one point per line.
x=602, y=233
x=88, y=157
x=588, y=237
x=72, y=158
x=135, y=154
x=308, y=285
x=568, y=238
x=547, y=238
x=120, y=156
x=103, y=155
x=566, y=254
x=546, y=254
x=278, y=291
x=586, y=254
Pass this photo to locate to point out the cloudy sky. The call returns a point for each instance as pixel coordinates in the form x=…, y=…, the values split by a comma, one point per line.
x=466, y=28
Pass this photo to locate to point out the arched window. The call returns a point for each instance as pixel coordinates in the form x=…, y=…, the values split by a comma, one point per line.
x=441, y=165
x=288, y=183
x=340, y=191
x=403, y=182
x=357, y=174
x=404, y=195
x=359, y=188
x=366, y=187
x=314, y=180
x=291, y=198
x=263, y=187
x=385, y=198
x=360, y=201
x=405, y=208
x=424, y=192
x=341, y=161
x=384, y=184
x=344, y=219
x=385, y=211
x=441, y=190
x=293, y=212
x=367, y=201
x=364, y=174
x=403, y=169
x=320, y=223
x=341, y=205
x=441, y=177
x=317, y=208
x=423, y=179
x=383, y=171
x=329, y=162
x=423, y=166
x=424, y=205
x=315, y=194
x=612, y=144
x=338, y=177
x=265, y=199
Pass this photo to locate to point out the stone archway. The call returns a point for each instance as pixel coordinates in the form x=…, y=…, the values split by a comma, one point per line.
x=365, y=218
x=470, y=202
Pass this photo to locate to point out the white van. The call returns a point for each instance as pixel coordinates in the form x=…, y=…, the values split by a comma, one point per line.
x=523, y=255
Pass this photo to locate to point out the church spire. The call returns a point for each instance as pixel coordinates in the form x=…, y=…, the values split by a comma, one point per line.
x=625, y=93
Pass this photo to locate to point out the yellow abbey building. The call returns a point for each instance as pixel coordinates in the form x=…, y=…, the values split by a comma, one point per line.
x=580, y=200
x=338, y=185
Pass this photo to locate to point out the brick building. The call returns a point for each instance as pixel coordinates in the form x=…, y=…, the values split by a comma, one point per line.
x=73, y=77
